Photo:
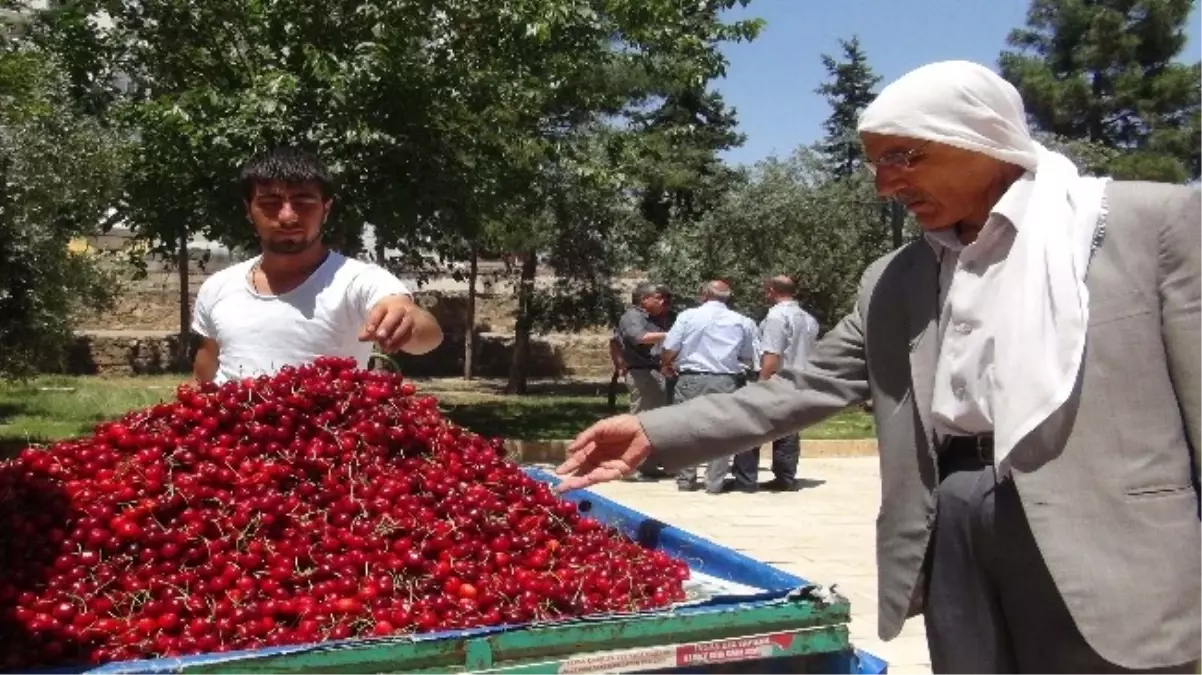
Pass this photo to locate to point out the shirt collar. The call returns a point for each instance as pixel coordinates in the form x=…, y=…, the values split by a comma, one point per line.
x=1011, y=207
x=783, y=304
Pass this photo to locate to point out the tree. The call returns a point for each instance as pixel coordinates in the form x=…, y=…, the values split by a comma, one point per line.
x=808, y=225
x=201, y=87
x=388, y=93
x=446, y=121
x=1091, y=158
x=568, y=220
x=59, y=176
x=848, y=93
x=680, y=172
x=1104, y=71
x=629, y=87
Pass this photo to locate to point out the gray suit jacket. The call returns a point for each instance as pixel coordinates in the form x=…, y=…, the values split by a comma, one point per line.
x=1107, y=485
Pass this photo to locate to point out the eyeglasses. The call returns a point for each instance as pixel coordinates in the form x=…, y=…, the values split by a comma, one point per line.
x=898, y=159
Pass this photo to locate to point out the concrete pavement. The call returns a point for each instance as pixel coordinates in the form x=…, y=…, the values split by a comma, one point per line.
x=825, y=534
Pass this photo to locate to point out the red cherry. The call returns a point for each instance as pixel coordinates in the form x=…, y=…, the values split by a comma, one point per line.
x=322, y=502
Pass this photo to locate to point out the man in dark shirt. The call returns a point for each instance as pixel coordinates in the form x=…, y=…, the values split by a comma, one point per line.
x=640, y=332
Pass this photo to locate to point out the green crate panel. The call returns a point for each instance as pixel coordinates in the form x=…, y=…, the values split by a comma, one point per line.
x=555, y=642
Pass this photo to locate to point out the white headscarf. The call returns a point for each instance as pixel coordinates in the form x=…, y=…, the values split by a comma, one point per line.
x=1043, y=302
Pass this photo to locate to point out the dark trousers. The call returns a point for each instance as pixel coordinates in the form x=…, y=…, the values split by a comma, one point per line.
x=786, y=451
x=649, y=389
x=991, y=604
x=694, y=385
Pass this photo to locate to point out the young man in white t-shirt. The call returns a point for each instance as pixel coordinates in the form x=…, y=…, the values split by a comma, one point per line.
x=298, y=300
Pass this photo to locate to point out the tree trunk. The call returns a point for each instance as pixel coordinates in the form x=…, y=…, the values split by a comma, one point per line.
x=520, y=366
x=379, y=249
x=612, y=395
x=615, y=356
x=1093, y=115
x=5, y=212
x=469, y=335
x=897, y=222
x=184, y=348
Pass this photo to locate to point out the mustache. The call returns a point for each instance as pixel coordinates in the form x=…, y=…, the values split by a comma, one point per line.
x=907, y=197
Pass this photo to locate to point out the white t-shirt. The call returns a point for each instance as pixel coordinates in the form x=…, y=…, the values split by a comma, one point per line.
x=258, y=334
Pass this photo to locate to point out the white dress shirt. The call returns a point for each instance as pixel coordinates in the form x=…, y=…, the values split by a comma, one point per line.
x=713, y=338
x=965, y=379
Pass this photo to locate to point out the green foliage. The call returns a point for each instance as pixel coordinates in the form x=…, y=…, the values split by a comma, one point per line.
x=681, y=174
x=787, y=217
x=814, y=216
x=1091, y=158
x=582, y=190
x=59, y=175
x=626, y=144
x=1105, y=72
x=848, y=93
x=439, y=116
x=544, y=127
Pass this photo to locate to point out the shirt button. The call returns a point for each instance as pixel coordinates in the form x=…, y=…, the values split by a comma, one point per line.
x=960, y=393
x=963, y=328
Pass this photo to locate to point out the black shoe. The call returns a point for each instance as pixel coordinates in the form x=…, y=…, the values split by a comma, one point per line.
x=729, y=485
x=688, y=487
x=781, y=485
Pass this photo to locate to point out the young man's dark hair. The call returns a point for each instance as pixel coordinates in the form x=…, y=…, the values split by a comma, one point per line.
x=287, y=165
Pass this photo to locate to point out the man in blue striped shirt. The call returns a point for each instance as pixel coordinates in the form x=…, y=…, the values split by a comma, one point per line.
x=710, y=348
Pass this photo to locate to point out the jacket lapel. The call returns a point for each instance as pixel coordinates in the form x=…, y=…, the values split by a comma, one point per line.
x=922, y=287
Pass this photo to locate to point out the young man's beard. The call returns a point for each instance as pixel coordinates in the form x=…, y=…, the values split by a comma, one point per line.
x=289, y=246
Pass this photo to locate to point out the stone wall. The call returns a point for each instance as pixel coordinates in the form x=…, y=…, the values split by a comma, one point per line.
x=151, y=310
x=138, y=335
x=150, y=352
x=152, y=302
x=121, y=353
x=554, y=355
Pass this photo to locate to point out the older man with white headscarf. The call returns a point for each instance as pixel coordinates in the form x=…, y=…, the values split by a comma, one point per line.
x=1034, y=366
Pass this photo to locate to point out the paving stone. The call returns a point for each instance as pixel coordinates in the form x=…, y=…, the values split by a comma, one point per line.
x=825, y=534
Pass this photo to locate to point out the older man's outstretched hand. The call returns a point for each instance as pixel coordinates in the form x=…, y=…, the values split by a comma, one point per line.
x=608, y=450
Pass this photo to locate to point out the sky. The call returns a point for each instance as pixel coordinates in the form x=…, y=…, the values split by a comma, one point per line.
x=771, y=80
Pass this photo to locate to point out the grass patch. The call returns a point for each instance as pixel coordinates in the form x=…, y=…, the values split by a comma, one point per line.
x=562, y=417
x=53, y=407
x=527, y=418
x=50, y=408
x=847, y=425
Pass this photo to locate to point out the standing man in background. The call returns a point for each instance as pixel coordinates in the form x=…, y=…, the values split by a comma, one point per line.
x=710, y=348
x=640, y=334
x=787, y=335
